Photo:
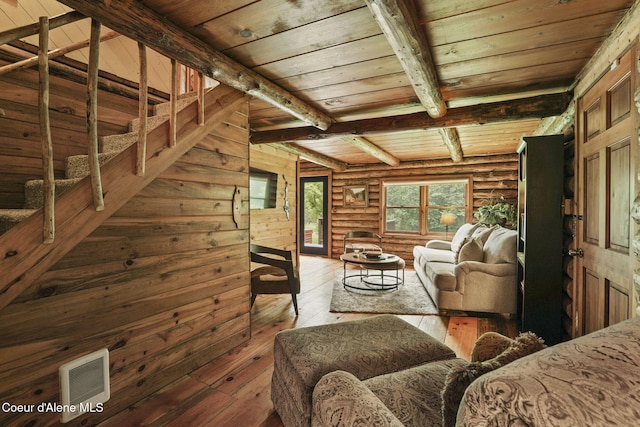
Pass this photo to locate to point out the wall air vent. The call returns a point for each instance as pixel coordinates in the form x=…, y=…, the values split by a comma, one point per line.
x=84, y=384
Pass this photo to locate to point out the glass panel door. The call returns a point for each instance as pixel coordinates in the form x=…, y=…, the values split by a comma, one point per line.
x=314, y=218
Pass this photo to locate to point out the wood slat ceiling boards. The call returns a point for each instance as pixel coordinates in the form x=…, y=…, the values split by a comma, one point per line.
x=333, y=56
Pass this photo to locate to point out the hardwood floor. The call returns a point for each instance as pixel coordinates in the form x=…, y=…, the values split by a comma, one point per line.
x=235, y=389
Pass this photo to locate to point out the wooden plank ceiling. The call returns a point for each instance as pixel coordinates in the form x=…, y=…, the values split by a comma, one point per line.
x=334, y=57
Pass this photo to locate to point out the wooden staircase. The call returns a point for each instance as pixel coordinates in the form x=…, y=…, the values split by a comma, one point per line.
x=24, y=256
x=77, y=167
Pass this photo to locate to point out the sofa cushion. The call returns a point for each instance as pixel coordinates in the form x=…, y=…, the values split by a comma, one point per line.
x=441, y=275
x=459, y=378
x=472, y=250
x=413, y=395
x=500, y=246
x=424, y=254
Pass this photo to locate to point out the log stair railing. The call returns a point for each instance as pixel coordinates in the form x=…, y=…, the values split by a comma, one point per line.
x=25, y=256
x=92, y=193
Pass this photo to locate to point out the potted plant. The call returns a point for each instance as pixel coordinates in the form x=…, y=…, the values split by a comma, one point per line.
x=496, y=211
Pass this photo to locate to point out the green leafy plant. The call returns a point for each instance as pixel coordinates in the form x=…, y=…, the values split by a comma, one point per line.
x=496, y=211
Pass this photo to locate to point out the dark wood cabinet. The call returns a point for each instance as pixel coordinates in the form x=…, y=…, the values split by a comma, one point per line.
x=540, y=195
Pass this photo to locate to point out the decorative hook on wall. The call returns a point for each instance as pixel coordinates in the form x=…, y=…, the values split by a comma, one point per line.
x=235, y=206
x=286, y=196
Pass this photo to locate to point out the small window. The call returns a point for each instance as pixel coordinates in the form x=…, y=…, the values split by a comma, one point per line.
x=403, y=208
x=263, y=187
x=426, y=206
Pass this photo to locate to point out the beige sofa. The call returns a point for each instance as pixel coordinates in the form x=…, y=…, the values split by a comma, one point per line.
x=590, y=381
x=475, y=272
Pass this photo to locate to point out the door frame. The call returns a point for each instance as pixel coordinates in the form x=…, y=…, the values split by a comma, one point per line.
x=326, y=249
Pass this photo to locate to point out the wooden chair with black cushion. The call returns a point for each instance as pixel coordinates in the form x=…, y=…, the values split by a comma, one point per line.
x=278, y=276
x=366, y=241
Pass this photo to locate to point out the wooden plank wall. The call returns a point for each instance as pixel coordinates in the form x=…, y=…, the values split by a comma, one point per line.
x=270, y=227
x=490, y=173
x=163, y=284
x=20, y=147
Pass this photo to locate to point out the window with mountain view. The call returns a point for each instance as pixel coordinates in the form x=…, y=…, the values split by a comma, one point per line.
x=418, y=206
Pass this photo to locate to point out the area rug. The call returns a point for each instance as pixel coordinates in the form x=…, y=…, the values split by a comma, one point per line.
x=409, y=298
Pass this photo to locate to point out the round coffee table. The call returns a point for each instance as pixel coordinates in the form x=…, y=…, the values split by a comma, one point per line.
x=373, y=282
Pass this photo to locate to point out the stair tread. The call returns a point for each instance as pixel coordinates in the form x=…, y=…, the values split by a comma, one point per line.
x=16, y=212
x=58, y=181
x=33, y=194
x=78, y=166
x=12, y=217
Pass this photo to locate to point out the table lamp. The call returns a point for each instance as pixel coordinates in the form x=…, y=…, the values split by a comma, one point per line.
x=447, y=219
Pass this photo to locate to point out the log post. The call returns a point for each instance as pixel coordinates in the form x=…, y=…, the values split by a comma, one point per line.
x=92, y=115
x=636, y=202
x=49, y=186
x=201, y=84
x=143, y=101
x=173, y=104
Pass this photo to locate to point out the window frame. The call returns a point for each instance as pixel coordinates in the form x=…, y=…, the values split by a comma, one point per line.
x=424, y=182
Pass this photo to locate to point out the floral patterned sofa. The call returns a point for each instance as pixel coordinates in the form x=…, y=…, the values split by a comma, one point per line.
x=591, y=381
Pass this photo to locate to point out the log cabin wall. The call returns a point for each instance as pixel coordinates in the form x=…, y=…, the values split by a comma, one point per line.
x=271, y=227
x=163, y=283
x=490, y=173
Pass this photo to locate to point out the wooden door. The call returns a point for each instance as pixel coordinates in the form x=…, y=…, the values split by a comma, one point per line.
x=605, y=153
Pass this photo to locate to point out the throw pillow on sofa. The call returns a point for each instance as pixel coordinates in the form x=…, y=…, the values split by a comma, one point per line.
x=483, y=232
x=472, y=250
x=478, y=235
x=459, y=378
x=461, y=235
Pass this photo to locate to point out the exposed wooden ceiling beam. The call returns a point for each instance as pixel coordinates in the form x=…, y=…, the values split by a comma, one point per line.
x=558, y=124
x=398, y=21
x=311, y=155
x=452, y=141
x=519, y=109
x=136, y=21
x=372, y=149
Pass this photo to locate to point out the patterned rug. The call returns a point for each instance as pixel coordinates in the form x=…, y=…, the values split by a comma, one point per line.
x=409, y=298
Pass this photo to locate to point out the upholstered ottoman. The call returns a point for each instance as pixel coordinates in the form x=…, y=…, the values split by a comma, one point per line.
x=364, y=348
